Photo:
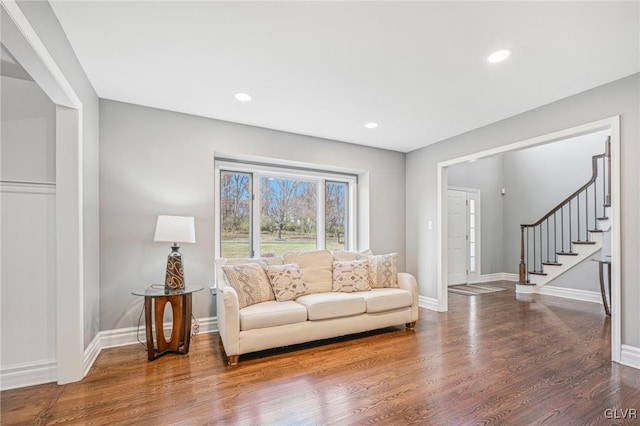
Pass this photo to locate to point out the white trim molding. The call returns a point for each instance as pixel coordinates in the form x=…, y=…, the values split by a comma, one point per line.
x=428, y=303
x=28, y=187
x=44, y=69
x=28, y=374
x=499, y=276
x=571, y=293
x=130, y=335
x=91, y=354
x=630, y=356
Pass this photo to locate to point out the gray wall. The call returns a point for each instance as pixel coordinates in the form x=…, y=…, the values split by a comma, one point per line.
x=28, y=133
x=617, y=98
x=49, y=30
x=583, y=276
x=158, y=162
x=27, y=221
x=485, y=175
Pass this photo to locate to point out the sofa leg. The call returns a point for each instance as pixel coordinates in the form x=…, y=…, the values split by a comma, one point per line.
x=411, y=325
x=233, y=359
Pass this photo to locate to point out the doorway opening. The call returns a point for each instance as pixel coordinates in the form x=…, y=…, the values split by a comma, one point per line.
x=612, y=124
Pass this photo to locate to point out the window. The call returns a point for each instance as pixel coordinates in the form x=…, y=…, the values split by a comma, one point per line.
x=288, y=215
x=335, y=212
x=267, y=211
x=235, y=214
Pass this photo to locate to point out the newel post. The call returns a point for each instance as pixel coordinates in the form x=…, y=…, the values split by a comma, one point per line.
x=523, y=266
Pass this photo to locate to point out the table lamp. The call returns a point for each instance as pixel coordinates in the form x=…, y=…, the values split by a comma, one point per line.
x=175, y=229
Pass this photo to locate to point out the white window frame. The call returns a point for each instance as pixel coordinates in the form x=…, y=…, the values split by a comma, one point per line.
x=258, y=171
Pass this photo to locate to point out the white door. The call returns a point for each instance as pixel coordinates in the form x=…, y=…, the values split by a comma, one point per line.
x=463, y=231
x=457, y=237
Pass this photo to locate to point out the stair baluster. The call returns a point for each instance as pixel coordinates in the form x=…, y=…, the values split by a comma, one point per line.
x=538, y=244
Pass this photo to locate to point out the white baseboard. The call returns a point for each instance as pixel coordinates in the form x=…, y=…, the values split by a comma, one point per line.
x=208, y=325
x=500, y=276
x=28, y=374
x=630, y=356
x=428, y=303
x=570, y=293
x=130, y=335
x=122, y=336
x=91, y=354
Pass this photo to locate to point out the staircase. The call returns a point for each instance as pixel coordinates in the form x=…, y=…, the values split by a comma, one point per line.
x=570, y=233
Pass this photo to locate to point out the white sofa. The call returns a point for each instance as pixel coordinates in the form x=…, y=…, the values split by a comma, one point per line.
x=320, y=313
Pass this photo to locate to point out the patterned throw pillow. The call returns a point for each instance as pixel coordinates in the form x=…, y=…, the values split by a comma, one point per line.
x=250, y=282
x=351, y=275
x=286, y=281
x=383, y=271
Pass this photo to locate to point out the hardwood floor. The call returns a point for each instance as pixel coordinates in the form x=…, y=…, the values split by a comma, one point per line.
x=491, y=359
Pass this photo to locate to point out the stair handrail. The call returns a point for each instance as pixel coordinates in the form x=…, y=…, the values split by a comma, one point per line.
x=567, y=200
x=522, y=270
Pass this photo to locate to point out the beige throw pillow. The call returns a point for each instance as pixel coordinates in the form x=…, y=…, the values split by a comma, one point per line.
x=250, y=282
x=351, y=275
x=350, y=255
x=316, y=267
x=286, y=281
x=383, y=271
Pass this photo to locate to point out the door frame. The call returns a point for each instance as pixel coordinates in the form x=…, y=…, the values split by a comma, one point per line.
x=613, y=125
x=26, y=46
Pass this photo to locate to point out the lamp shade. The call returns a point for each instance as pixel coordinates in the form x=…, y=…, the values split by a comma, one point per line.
x=175, y=229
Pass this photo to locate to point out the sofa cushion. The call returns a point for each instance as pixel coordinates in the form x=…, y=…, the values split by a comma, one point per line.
x=332, y=305
x=250, y=282
x=351, y=275
x=383, y=270
x=286, y=281
x=271, y=314
x=387, y=299
x=316, y=267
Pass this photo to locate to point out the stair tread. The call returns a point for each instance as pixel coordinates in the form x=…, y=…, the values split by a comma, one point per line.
x=596, y=230
x=602, y=218
x=552, y=263
x=537, y=273
x=606, y=205
x=584, y=242
x=566, y=253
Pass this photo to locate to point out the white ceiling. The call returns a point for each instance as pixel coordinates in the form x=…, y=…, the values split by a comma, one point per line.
x=326, y=68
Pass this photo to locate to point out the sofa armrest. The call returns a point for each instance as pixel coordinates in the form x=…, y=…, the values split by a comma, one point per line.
x=228, y=311
x=408, y=282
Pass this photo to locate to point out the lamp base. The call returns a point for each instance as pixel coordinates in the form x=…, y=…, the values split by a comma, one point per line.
x=175, y=271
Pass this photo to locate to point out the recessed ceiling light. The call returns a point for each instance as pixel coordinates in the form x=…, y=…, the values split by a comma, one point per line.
x=371, y=125
x=498, y=56
x=243, y=97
